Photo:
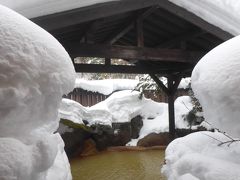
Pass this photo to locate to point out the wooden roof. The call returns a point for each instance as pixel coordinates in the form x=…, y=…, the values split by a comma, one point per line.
x=158, y=36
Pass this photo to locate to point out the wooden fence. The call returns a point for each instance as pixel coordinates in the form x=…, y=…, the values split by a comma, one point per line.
x=88, y=98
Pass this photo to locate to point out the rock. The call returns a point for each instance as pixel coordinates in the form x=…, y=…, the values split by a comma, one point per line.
x=136, y=125
x=154, y=139
x=117, y=135
x=104, y=136
x=89, y=148
x=74, y=141
x=122, y=133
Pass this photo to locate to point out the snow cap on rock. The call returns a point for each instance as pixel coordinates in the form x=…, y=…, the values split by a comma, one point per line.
x=215, y=82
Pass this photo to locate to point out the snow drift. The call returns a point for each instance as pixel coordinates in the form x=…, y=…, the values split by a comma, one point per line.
x=35, y=71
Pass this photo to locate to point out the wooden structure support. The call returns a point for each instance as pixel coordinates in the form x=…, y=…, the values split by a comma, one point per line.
x=134, y=53
x=135, y=69
x=170, y=90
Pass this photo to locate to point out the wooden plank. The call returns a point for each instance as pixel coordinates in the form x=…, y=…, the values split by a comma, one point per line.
x=134, y=53
x=80, y=15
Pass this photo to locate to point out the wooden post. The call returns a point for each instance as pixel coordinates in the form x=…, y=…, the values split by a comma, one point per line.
x=171, y=113
x=140, y=37
x=107, y=61
x=172, y=86
x=170, y=90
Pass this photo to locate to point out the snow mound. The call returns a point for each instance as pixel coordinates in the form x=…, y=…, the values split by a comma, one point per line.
x=199, y=156
x=215, y=82
x=212, y=155
x=35, y=71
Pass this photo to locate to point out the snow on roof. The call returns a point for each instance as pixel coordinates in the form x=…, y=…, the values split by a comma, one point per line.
x=106, y=86
x=35, y=8
x=224, y=14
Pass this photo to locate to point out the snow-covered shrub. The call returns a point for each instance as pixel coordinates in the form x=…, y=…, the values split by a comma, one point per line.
x=35, y=71
x=195, y=115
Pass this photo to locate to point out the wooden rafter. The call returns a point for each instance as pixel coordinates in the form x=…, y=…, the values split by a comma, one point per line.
x=131, y=25
x=80, y=15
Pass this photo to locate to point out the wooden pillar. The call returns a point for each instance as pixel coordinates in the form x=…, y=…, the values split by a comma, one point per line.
x=107, y=61
x=171, y=112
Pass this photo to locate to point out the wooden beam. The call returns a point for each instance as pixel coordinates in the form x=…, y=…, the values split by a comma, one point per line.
x=97, y=11
x=160, y=83
x=100, y=68
x=133, y=53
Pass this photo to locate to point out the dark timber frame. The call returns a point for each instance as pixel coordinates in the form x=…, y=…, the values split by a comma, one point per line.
x=157, y=36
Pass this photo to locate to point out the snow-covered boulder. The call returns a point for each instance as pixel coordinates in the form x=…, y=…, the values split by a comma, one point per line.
x=35, y=71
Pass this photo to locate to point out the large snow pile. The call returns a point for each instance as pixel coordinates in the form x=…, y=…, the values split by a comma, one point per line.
x=199, y=156
x=215, y=82
x=106, y=86
x=35, y=71
x=122, y=106
x=223, y=14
